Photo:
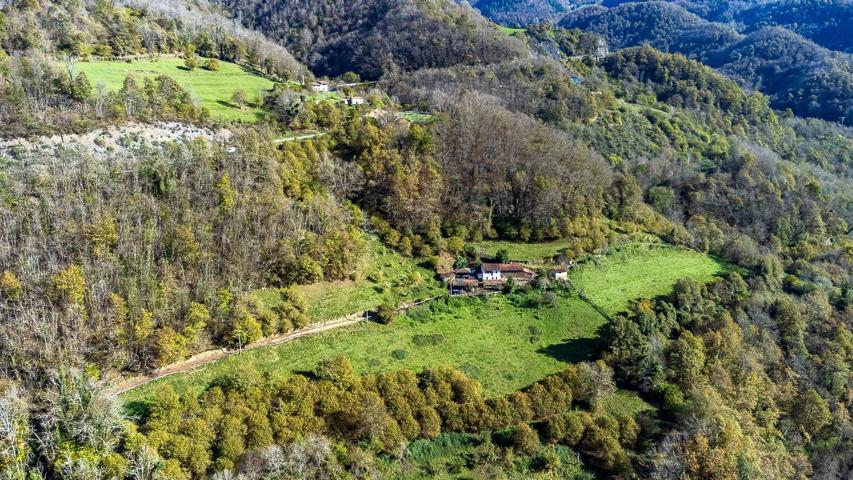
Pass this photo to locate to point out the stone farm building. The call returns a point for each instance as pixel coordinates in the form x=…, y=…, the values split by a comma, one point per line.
x=501, y=272
x=487, y=275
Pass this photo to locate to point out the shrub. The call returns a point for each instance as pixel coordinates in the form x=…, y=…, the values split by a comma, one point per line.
x=525, y=439
x=386, y=313
x=425, y=340
x=10, y=286
x=212, y=65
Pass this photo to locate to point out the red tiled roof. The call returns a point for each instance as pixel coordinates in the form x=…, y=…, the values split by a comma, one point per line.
x=506, y=268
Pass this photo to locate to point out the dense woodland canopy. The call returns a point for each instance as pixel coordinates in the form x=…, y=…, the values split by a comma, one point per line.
x=377, y=37
x=794, y=72
x=122, y=260
x=822, y=22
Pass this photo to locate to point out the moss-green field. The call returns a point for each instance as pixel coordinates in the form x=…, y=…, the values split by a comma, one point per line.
x=213, y=89
x=502, y=345
x=511, y=30
x=506, y=343
x=384, y=276
x=533, y=252
x=447, y=457
x=640, y=271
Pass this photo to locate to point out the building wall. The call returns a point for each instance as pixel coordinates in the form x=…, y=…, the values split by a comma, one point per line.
x=490, y=275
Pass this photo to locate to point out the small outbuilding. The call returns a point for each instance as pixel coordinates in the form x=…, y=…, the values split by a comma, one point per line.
x=559, y=274
x=320, y=87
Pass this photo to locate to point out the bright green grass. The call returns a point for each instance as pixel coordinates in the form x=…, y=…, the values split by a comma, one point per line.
x=511, y=30
x=325, y=97
x=503, y=346
x=384, y=276
x=533, y=252
x=640, y=271
x=417, y=117
x=627, y=403
x=213, y=89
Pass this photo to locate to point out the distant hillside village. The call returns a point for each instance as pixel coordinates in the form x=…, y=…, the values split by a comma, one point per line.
x=491, y=276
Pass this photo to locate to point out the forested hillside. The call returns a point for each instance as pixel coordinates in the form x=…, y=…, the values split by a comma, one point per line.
x=41, y=43
x=824, y=23
x=525, y=12
x=679, y=303
x=376, y=37
x=793, y=71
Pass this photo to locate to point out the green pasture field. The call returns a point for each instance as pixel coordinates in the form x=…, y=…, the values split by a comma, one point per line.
x=384, y=276
x=533, y=252
x=213, y=89
x=504, y=342
x=635, y=271
x=502, y=345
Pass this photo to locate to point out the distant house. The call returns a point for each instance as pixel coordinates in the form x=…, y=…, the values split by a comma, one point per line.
x=464, y=271
x=320, y=87
x=501, y=272
x=467, y=284
x=559, y=274
x=354, y=101
x=601, y=49
x=576, y=80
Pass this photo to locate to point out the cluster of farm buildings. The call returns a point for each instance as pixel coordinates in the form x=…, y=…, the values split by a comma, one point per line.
x=495, y=275
x=323, y=87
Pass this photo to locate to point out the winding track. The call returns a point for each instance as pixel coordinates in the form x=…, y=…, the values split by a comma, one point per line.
x=210, y=356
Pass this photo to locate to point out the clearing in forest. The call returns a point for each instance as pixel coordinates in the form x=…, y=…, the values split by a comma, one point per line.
x=214, y=89
x=520, y=251
x=633, y=271
x=504, y=342
x=384, y=276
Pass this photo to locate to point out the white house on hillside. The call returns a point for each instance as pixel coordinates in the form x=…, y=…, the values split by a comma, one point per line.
x=320, y=87
x=498, y=272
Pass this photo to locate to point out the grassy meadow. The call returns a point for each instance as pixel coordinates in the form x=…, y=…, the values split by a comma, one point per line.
x=504, y=342
x=213, y=89
x=384, y=276
x=503, y=345
x=637, y=271
x=448, y=455
x=511, y=31
x=533, y=252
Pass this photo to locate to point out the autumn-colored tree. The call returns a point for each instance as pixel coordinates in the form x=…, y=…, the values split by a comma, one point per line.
x=525, y=439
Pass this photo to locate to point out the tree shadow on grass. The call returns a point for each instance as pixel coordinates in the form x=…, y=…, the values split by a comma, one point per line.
x=227, y=104
x=309, y=374
x=573, y=350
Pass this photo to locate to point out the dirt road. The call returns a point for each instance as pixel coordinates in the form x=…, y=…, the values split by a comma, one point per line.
x=210, y=356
